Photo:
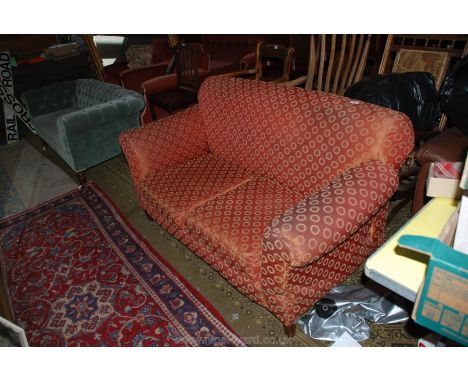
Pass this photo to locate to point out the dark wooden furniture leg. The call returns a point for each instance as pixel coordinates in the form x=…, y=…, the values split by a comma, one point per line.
x=151, y=107
x=43, y=143
x=149, y=216
x=419, y=192
x=81, y=176
x=290, y=330
x=5, y=309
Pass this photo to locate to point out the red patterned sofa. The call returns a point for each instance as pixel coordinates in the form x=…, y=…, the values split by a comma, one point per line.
x=283, y=191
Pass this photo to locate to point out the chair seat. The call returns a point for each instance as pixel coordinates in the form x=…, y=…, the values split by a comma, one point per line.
x=234, y=222
x=174, y=99
x=176, y=190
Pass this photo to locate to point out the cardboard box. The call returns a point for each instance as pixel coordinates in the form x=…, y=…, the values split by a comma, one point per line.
x=461, y=236
x=447, y=185
x=442, y=301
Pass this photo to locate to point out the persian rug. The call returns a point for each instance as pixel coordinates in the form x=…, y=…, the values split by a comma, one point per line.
x=76, y=274
x=28, y=178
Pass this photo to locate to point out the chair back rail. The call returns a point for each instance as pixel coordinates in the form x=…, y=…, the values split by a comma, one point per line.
x=187, y=58
x=453, y=47
x=276, y=52
x=336, y=61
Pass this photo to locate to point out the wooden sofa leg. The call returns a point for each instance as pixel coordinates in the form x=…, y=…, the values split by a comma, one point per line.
x=290, y=330
x=148, y=216
x=43, y=143
x=81, y=176
x=5, y=309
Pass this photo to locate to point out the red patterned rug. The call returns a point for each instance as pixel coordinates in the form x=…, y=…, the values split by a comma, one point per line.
x=77, y=274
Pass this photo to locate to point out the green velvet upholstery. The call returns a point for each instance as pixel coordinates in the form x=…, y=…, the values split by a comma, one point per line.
x=81, y=120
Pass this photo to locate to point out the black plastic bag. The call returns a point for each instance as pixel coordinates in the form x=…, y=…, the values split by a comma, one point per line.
x=412, y=93
x=454, y=95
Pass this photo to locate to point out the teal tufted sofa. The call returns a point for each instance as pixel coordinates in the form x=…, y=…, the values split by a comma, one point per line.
x=82, y=119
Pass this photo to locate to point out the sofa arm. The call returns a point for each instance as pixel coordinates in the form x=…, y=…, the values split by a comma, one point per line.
x=163, y=143
x=320, y=222
x=134, y=77
x=49, y=99
x=296, y=82
x=154, y=86
x=248, y=60
x=159, y=84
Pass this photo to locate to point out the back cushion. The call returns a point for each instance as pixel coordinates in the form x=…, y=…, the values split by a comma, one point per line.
x=303, y=139
x=89, y=92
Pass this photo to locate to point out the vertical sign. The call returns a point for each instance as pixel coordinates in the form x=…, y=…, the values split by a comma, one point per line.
x=6, y=80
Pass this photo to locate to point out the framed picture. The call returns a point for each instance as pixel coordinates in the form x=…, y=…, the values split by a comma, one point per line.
x=412, y=60
x=11, y=334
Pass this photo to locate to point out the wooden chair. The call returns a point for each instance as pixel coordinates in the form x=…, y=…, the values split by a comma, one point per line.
x=185, y=94
x=272, y=64
x=174, y=42
x=335, y=62
x=428, y=53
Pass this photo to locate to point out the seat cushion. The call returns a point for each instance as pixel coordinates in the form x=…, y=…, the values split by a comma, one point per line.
x=48, y=130
x=174, y=99
x=174, y=191
x=233, y=222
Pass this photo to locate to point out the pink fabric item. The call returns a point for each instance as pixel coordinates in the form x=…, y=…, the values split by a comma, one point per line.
x=447, y=170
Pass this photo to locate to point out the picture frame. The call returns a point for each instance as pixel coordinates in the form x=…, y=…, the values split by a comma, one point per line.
x=11, y=334
x=416, y=60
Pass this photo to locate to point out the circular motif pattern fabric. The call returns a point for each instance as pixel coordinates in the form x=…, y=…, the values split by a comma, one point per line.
x=303, y=139
x=340, y=157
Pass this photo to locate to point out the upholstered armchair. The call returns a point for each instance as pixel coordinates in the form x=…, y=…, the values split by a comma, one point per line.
x=131, y=77
x=81, y=120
